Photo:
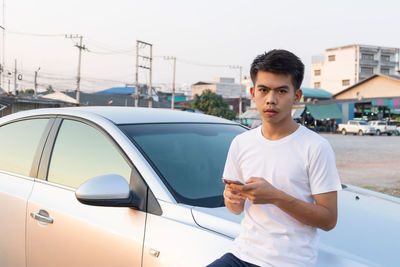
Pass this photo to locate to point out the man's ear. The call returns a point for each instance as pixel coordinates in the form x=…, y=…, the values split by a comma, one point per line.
x=298, y=95
x=252, y=92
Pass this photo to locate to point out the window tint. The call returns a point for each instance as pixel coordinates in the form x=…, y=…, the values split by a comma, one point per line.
x=18, y=144
x=82, y=152
x=190, y=157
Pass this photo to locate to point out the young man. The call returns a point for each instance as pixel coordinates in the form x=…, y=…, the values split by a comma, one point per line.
x=289, y=174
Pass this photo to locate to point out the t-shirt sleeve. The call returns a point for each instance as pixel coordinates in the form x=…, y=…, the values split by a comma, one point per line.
x=323, y=173
x=232, y=169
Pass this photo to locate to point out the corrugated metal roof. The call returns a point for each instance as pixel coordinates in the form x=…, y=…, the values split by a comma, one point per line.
x=315, y=93
x=325, y=112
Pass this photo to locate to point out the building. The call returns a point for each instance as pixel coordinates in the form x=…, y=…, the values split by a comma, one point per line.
x=344, y=66
x=14, y=103
x=377, y=97
x=225, y=87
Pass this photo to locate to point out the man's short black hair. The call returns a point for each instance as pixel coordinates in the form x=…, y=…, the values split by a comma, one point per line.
x=279, y=61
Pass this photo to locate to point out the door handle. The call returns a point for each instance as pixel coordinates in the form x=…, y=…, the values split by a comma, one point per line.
x=42, y=216
x=154, y=252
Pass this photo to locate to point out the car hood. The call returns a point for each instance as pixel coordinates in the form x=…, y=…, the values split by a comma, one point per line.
x=366, y=234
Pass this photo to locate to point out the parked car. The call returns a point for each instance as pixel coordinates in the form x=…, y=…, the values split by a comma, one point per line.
x=115, y=186
x=382, y=127
x=356, y=127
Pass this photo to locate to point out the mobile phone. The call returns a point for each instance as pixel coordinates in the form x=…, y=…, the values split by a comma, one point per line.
x=230, y=180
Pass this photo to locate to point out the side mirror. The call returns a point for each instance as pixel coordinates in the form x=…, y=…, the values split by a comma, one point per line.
x=110, y=190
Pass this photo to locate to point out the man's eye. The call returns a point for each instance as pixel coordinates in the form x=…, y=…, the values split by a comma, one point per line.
x=282, y=91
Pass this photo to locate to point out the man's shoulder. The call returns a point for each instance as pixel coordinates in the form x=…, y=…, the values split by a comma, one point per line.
x=247, y=135
x=311, y=138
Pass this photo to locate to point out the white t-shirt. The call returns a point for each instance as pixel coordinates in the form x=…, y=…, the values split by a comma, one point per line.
x=301, y=164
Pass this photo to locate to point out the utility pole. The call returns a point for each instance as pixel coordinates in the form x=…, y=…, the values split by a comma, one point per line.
x=137, y=75
x=173, y=81
x=15, y=77
x=143, y=66
x=151, y=71
x=36, y=72
x=80, y=47
x=240, y=89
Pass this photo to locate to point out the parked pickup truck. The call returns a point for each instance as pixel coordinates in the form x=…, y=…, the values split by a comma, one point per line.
x=382, y=127
x=356, y=127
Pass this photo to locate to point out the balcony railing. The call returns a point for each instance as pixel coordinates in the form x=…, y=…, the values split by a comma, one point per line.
x=389, y=51
x=370, y=62
x=363, y=75
x=368, y=49
x=389, y=63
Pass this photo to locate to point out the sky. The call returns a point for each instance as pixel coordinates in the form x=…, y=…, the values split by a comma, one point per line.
x=205, y=36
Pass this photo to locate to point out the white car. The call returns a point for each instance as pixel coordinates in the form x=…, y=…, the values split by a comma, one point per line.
x=382, y=127
x=114, y=186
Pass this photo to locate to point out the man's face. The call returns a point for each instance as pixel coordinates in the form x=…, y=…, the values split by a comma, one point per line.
x=274, y=95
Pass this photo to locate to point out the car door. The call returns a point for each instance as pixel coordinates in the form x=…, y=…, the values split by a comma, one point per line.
x=63, y=232
x=20, y=145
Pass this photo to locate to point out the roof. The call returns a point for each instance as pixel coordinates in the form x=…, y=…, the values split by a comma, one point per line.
x=127, y=115
x=325, y=112
x=128, y=90
x=60, y=96
x=115, y=100
x=397, y=78
x=315, y=93
x=202, y=83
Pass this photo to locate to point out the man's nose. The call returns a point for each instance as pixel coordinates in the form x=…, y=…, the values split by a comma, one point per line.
x=270, y=98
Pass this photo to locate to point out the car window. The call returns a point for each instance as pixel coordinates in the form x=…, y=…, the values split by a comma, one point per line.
x=362, y=123
x=189, y=157
x=18, y=144
x=381, y=123
x=82, y=152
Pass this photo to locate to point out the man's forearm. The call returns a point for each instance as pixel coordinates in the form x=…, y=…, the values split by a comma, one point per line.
x=316, y=215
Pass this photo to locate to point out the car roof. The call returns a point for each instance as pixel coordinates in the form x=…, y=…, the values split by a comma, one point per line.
x=126, y=115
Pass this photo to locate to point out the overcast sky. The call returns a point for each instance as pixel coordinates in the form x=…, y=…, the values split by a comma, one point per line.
x=204, y=35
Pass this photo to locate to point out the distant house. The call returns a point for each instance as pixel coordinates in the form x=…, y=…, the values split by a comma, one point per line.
x=126, y=100
x=60, y=96
x=10, y=103
x=129, y=90
x=226, y=87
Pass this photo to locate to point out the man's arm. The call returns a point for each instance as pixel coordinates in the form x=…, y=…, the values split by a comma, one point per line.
x=233, y=200
x=322, y=214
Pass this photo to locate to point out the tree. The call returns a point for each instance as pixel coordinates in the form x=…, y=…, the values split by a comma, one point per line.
x=212, y=104
x=49, y=89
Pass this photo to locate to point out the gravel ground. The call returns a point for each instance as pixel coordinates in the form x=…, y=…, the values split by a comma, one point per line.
x=372, y=162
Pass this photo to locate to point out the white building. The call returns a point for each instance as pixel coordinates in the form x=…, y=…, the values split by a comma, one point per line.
x=226, y=87
x=344, y=66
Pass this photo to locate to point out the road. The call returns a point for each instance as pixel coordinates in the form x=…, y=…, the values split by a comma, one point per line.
x=371, y=162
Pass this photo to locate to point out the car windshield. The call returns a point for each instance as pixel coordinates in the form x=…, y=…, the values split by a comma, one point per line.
x=190, y=158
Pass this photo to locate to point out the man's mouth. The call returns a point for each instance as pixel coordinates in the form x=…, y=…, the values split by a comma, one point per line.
x=270, y=111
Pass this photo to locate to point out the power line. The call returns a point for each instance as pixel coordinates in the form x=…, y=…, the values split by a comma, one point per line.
x=35, y=34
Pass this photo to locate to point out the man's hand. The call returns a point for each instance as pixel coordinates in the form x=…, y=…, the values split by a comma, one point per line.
x=322, y=214
x=234, y=201
x=258, y=191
